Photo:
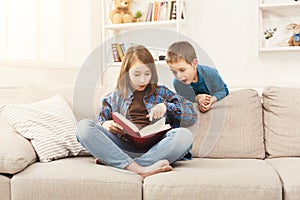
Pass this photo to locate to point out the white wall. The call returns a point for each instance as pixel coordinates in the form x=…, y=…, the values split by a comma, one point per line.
x=81, y=35
x=228, y=31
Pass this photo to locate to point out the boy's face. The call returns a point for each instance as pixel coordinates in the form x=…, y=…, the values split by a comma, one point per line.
x=140, y=76
x=185, y=72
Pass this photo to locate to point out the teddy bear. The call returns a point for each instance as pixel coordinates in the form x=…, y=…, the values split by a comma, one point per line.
x=295, y=38
x=121, y=13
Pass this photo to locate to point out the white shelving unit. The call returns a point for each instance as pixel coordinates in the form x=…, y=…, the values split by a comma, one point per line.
x=129, y=26
x=277, y=14
x=116, y=33
x=107, y=6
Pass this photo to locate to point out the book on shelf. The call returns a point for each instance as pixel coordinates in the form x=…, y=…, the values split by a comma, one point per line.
x=163, y=11
x=115, y=53
x=148, y=15
x=147, y=136
x=173, y=10
x=155, y=11
x=160, y=10
x=183, y=10
x=119, y=50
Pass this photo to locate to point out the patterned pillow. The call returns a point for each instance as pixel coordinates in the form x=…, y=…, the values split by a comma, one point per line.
x=49, y=124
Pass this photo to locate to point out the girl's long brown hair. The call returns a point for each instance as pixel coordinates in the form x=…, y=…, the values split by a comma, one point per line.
x=133, y=54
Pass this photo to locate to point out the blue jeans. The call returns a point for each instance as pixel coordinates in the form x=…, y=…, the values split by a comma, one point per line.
x=114, y=151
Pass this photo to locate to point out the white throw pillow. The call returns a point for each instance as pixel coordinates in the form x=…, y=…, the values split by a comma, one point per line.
x=49, y=124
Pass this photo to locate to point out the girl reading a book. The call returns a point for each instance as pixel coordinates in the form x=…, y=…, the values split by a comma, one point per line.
x=140, y=99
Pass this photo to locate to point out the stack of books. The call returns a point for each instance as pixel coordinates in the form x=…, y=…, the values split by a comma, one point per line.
x=119, y=49
x=161, y=10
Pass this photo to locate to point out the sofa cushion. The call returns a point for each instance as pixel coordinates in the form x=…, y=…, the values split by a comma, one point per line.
x=288, y=170
x=216, y=179
x=231, y=129
x=4, y=187
x=49, y=125
x=16, y=152
x=75, y=178
x=281, y=121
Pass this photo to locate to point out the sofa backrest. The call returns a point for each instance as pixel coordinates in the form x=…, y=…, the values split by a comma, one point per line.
x=82, y=109
x=281, y=121
x=233, y=128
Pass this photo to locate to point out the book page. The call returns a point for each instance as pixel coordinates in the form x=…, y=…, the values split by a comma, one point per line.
x=154, y=128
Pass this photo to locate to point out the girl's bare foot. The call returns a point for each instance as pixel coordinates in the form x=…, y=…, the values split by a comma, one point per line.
x=98, y=161
x=159, y=166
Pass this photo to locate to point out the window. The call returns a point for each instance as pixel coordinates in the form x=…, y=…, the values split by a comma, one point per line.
x=47, y=32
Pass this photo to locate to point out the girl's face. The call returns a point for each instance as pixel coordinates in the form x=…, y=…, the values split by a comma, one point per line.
x=140, y=76
x=185, y=72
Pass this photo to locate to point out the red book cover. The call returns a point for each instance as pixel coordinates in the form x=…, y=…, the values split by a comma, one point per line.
x=147, y=136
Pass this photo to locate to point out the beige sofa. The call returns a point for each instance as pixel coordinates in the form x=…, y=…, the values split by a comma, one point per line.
x=246, y=147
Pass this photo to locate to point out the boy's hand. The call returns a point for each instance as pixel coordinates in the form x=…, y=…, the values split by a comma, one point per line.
x=204, y=107
x=113, y=127
x=205, y=101
x=157, y=111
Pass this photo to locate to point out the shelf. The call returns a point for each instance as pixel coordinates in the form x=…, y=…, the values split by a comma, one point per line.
x=118, y=64
x=277, y=14
x=157, y=24
x=287, y=9
x=278, y=5
x=274, y=49
x=112, y=33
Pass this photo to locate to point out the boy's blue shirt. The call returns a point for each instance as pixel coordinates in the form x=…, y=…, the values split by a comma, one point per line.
x=180, y=111
x=209, y=82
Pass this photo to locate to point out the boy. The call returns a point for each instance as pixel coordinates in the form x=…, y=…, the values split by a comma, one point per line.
x=196, y=82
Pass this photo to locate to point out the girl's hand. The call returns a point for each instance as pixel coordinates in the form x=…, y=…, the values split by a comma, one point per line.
x=113, y=127
x=157, y=111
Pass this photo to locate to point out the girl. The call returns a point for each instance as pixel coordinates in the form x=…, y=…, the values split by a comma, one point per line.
x=140, y=99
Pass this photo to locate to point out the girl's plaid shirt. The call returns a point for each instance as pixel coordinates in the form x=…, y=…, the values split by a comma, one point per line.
x=180, y=111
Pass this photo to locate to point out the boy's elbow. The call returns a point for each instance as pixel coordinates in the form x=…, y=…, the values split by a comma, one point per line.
x=227, y=91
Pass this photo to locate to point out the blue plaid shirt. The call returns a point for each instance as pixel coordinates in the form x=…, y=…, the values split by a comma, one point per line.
x=180, y=111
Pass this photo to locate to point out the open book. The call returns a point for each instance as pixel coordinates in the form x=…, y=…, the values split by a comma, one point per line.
x=147, y=136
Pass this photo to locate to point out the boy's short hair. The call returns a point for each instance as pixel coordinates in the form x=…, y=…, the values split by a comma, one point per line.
x=181, y=50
